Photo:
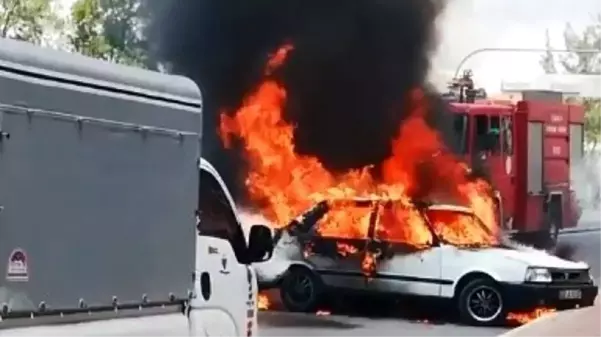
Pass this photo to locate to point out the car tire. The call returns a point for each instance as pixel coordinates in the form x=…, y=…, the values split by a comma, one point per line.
x=301, y=290
x=481, y=303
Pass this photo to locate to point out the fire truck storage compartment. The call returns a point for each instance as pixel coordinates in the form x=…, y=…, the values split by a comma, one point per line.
x=576, y=134
x=576, y=143
x=98, y=188
x=535, y=158
x=556, y=151
x=548, y=96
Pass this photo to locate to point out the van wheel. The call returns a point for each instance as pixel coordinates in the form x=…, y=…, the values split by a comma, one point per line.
x=301, y=290
x=480, y=303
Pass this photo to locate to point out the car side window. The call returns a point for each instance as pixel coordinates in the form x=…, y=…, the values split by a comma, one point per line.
x=215, y=216
x=400, y=224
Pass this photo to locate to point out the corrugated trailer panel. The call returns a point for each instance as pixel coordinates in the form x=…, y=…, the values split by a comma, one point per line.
x=99, y=211
x=98, y=190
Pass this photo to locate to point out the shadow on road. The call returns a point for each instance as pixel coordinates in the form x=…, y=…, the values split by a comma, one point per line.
x=286, y=319
x=419, y=311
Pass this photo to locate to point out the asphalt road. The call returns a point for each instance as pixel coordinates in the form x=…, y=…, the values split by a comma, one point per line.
x=581, y=247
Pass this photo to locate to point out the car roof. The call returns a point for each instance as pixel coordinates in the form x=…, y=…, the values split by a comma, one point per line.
x=432, y=207
x=450, y=207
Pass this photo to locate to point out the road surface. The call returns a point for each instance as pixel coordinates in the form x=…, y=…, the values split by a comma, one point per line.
x=586, y=247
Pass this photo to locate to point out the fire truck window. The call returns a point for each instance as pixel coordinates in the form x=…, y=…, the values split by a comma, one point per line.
x=494, y=134
x=481, y=132
x=507, y=133
x=460, y=129
x=487, y=134
x=216, y=218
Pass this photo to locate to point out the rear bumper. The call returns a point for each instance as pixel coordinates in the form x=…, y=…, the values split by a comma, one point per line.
x=528, y=295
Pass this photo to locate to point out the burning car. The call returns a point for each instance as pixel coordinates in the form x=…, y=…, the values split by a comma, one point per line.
x=447, y=252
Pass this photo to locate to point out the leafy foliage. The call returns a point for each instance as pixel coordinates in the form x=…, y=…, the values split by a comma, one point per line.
x=27, y=20
x=581, y=63
x=111, y=30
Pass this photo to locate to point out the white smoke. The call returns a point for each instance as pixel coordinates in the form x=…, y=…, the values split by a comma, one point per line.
x=285, y=251
x=249, y=218
x=586, y=183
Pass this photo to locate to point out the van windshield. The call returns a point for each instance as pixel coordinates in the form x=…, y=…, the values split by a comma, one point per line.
x=460, y=229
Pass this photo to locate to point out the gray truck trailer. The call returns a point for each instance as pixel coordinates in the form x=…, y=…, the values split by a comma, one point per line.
x=98, y=185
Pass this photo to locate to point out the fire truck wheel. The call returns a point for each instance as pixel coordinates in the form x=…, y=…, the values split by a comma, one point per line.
x=301, y=290
x=480, y=303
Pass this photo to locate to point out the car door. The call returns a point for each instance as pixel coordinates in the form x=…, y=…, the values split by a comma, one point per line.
x=337, y=249
x=409, y=262
x=224, y=297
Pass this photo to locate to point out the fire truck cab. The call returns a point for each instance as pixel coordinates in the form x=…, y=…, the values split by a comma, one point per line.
x=526, y=149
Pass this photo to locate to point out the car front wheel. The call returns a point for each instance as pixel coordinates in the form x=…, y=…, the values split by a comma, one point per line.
x=480, y=303
x=300, y=290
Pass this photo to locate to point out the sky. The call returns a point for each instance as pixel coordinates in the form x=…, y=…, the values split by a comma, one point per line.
x=471, y=24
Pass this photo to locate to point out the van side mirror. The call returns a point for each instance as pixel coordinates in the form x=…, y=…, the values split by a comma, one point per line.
x=260, y=244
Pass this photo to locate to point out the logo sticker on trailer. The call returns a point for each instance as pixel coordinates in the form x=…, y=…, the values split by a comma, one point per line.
x=17, y=269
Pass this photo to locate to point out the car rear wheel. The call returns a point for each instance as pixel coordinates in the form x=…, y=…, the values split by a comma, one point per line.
x=480, y=303
x=301, y=290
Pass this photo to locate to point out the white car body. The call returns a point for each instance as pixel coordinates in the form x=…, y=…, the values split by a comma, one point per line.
x=434, y=272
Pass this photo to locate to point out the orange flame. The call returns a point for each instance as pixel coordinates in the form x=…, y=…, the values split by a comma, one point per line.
x=525, y=317
x=263, y=302
x=285, y=183
x=278, y=58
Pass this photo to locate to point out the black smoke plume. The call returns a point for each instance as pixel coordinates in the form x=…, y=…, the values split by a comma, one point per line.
x=353, y=65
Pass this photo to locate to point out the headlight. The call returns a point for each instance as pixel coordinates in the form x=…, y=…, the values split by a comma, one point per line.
x=541, y=275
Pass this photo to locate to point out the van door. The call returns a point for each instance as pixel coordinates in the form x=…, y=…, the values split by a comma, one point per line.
x=223, y=303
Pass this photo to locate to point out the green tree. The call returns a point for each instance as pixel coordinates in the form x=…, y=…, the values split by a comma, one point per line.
x=87, y=37
x=547, y=61
x=111, y=30
x=592, y=121
x=27, y=20
x=581, y=63
x=589, y=39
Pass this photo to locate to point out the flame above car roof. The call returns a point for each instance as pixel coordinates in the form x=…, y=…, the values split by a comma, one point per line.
x=429, y=206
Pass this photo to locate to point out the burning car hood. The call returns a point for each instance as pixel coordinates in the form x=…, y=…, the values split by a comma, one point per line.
x=535, y=258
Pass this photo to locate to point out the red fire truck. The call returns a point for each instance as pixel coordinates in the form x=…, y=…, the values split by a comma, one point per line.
x=527, y=149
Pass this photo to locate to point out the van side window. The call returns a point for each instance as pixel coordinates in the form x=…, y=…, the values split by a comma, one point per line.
x=216, y=217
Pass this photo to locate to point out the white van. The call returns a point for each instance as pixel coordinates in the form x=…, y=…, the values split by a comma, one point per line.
x=100, y=180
